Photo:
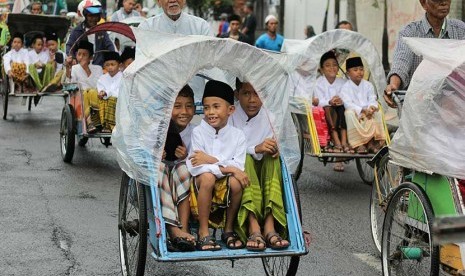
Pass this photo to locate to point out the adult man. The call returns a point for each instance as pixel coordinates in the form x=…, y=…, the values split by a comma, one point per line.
x=127, y=10
x=250, y=23
x=36, y=8
x=101, y=41
x=234, y=23
x=270, y=40
x=433, y=25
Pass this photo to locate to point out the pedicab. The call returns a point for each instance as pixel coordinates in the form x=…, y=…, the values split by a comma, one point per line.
x=164, y=64
x=73, y=124
x=427, y=155
x=30, y=26
x=302, y=59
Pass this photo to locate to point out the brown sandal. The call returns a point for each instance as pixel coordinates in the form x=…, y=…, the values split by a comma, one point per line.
x=273, y=245
x=258, y=239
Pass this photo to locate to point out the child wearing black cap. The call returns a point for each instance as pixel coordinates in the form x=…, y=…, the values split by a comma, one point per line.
x=127, y=56
x=15, y=62
x=365, y=128
x=55, y=61
x=217, y=160
x=108, y=86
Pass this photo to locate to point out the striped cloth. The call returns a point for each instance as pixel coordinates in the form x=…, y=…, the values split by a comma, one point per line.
x=174, y=186
x=220, y=201
x=107, y=109
x=404, y=61
x=42, y=79
x=264, y=195
x=360, y=132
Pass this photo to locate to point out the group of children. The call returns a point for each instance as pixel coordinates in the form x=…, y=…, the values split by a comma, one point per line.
x=38, y=67
x=227, y=173
x=351, y=108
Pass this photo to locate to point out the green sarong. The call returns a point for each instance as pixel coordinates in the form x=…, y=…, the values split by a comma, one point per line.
x=42, y=79
x=264, y=195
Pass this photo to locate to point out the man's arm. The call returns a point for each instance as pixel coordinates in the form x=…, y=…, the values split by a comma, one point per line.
x=402, y=62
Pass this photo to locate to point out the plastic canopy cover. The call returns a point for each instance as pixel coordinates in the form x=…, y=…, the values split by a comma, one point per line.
x=303, y=59
x=431, y=133
x=164, y=64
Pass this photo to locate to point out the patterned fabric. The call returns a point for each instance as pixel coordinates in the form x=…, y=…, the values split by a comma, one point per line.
x=361, y=131
x=220, y=201
x=19, y=71
x=107, y=109
x=174, y=184
x=404, y=61
x=264, y=195
x=43, y=78
x=91, y=105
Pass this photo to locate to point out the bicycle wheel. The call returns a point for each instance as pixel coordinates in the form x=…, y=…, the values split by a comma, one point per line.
x=284, y=265
x=299, y=129
x=387, y=177
x=67, y=133
x=6, y=92
x=365, y=171
x=407, y=247
x=132, y=227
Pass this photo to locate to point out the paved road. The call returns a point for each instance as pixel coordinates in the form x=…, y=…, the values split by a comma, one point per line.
x=60, y=219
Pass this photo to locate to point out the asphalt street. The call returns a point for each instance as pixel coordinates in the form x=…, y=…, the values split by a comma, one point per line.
x=61, y=219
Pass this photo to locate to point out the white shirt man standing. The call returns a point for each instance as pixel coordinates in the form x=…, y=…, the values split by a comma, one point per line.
x=126, y=11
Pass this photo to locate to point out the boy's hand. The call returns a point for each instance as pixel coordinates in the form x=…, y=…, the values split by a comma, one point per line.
x=201, y=158
x=181, y=152
x=241, y=177
x=101, y=94
x=336, y=101
x=269, y=146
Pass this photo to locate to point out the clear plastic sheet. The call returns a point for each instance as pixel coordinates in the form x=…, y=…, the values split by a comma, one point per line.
x=303, y=57
x=164, y=64
x=431, y=133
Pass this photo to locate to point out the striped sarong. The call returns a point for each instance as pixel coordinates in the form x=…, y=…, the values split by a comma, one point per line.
x=43, y=78
x=174, y=186
x=361, y=131
x=263, y=196
x=220, y=201
x=91, y=105
x=107, y=109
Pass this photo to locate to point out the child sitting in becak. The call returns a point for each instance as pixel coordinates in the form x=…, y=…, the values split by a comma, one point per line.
x=216, y=160
x=55, y=61
x=86, y=75
x=108, y=86
x=41, y=72
x=174, y=178
x=15, y=63
x=262, y=208
x=365, y=129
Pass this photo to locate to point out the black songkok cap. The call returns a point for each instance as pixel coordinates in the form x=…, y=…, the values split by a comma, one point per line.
x=219, y=89
x=51, y=36
x=111, y=55
x=128, y=52
x=86, y=45
x=326, y=56
x=353, y=62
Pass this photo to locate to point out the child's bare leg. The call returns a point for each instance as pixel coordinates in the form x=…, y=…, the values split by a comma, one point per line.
x=269, y=228
x=206, y=183
x=231, y=212
x=184, y=212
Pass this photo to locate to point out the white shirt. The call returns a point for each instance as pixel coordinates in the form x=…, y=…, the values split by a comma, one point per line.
x=20, y=56
x=120, y=15
x=325, y=91
x=42, y=57
x=109, y=84
x=186, y=136
x=228, y=146
x=79, y=75
x=256, y=129
x=358, y=97
x=186, y=25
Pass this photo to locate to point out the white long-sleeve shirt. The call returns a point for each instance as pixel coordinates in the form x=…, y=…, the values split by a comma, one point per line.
x=20, y=56
x=228, y=146
x=109, y=84
x=325, y=91
x=186, y=136
x=256, y=129
x=34, y=57
x=358, y=97
x=79, y=75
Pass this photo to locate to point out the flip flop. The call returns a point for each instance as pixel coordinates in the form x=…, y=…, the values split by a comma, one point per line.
x=181, y=244
x=208, y=240
x=230, y=239
x=271, y=245
x=258, y=239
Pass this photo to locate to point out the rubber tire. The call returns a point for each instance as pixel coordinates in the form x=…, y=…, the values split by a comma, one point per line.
x=298, y=126
x=67, y=133
x=6, y=93
x=142, y=231
x=83, y=141
x=294, y=260
x=427, y=208
x=376, y=221
x=361, y=166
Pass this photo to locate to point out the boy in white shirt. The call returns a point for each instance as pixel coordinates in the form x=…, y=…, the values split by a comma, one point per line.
x=365, y=129
x=216, y=160
x=262, y=202
x=86, y=75
x=41, y=72
x=108, y=86
x=55, y=61
x=15, y=63
x=174, y=178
